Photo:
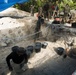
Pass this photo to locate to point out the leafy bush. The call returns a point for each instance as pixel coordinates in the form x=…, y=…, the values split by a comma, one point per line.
x=37, y=3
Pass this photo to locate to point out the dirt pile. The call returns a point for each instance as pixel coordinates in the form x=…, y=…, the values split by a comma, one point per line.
x=15, y=29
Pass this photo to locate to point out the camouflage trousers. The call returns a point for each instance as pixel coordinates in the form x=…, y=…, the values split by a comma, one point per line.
x=18, y=69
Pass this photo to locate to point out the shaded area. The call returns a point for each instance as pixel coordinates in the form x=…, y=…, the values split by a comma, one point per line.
x=47, y=62
x=16, y=17
x=54, y=66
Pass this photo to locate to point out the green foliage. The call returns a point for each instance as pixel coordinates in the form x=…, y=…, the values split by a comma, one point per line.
x=37, y=3
x=73, y=6
x=26, y=6
x=71, y=3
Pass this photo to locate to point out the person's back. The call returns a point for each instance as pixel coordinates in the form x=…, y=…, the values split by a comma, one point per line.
x=17, y=57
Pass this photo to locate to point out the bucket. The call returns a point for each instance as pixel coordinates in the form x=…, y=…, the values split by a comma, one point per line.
x=30, y=48
x=29, y=51
x=44, y=45
x=38, y=47
x=59, y=50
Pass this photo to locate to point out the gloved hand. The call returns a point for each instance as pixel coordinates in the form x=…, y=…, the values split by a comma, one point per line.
x=10, y=68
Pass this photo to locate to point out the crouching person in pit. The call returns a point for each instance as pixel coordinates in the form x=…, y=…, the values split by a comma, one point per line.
x=19, y=60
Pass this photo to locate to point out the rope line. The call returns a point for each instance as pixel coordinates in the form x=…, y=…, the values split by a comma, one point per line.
x=25, y=37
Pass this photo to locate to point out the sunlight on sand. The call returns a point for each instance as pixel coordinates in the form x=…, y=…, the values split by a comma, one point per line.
x=7, y=23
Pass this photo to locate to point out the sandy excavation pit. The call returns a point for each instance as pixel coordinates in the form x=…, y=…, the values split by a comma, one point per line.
x=46, y=62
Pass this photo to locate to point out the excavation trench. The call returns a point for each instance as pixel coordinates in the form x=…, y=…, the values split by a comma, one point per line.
x=21, y=32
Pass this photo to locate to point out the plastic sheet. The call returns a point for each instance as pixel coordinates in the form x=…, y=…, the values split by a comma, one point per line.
x=4, y=4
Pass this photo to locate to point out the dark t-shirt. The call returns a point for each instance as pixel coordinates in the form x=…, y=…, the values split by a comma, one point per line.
x=46, y=7
x=16, y=58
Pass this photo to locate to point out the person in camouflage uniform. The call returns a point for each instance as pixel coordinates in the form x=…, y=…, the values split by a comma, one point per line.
x=66, y=11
